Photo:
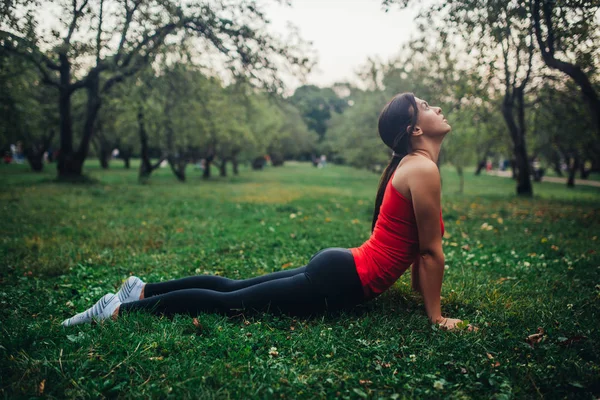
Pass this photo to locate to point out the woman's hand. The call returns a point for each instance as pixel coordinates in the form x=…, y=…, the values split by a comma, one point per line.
x=451, y=323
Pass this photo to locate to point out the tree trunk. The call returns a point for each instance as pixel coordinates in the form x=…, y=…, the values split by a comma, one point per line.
x=584, y=173
x=573, y=167
x=36, y=160
x=480, y=166
x=104, y=156
x=223, y=168
x=177, y=166
x=461, y=175
x=68, y=164
x=556, y=164
x=125, y=154
x=234, y=162
x=517, y=134
x=146, y=166
x=206, y=173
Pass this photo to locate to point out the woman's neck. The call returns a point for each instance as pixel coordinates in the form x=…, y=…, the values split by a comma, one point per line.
x=432, y=152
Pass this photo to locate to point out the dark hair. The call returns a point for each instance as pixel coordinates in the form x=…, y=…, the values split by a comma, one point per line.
x=396, y=123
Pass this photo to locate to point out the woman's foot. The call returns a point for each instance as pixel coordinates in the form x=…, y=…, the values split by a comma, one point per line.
x=131, y=290
x=103, y=309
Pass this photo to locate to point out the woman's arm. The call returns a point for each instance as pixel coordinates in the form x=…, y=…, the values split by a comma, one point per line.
x=424, y=184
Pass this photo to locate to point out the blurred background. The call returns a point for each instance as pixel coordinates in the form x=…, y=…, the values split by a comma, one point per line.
x=208, y=86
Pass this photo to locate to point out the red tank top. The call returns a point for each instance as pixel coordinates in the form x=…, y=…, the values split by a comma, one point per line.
x=393, y=245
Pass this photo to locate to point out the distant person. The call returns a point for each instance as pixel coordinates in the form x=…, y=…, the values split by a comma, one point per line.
x=407, y=229
x=201, y=165
x=115, y=153
x=7, y=157
x=323, y=160
x=315, y=161
x=488, y=166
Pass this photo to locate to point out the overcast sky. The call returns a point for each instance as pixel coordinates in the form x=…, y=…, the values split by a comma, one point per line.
x=344, y=33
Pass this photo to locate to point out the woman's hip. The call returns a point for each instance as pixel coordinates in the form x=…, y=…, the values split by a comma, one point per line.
x=333, y=272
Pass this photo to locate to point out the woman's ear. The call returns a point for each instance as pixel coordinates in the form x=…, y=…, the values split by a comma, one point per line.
x=417, y=131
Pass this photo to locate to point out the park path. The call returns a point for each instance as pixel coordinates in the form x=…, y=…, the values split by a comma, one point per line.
x=552, y=179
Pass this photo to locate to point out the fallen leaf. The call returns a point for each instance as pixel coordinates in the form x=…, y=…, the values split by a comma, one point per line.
x=536, y=337
x=273, y=352
x=286, y=265
x=491, y=357
x=365, y=382
x=41, y=387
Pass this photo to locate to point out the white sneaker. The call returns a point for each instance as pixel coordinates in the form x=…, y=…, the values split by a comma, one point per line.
x=103, y=309
x=130, y=290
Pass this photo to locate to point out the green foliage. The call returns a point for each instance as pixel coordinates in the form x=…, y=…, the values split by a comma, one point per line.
x=317, y=106
x=27, y=107
x=513, y=265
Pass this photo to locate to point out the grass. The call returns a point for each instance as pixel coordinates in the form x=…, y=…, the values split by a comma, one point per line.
x=515, y=265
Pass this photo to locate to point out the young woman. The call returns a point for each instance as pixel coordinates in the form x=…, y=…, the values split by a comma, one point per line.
x=407, y=230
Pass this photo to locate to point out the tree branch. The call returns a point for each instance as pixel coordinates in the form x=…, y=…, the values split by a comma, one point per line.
x=128, y=18
x=99, y=35
x=73, y=25
x=31, y=54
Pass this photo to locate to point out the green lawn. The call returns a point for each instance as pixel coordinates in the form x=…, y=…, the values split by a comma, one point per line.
x=514, y=266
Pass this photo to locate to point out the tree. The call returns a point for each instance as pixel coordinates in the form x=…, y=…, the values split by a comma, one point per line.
x=317, y=106
x=564, y=129
x=570, y=28
x=100, y=44
x=27, y=111
x=500, y=36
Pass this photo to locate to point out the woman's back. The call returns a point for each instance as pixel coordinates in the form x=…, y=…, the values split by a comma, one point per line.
x=394, y=243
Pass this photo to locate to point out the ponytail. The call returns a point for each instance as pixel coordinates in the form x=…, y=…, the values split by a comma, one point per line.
x=396, y=123
x=385, y=178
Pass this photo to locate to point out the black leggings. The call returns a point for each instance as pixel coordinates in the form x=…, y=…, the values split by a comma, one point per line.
x=329, y=282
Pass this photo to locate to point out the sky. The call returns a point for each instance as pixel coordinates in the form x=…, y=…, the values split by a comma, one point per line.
x=344, y=33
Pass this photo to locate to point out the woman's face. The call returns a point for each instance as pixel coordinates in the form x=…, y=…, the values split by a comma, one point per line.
x=430, y=120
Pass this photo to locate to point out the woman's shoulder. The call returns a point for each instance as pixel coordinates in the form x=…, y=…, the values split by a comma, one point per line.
x=412, y=171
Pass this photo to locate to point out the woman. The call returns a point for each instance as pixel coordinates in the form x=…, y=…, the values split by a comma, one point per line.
x=407, y=229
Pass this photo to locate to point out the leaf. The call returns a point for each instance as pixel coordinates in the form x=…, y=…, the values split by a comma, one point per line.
x=286, y=265
x=536, y=337
x=41, y=387
x=360, y=393
x=364, y=381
